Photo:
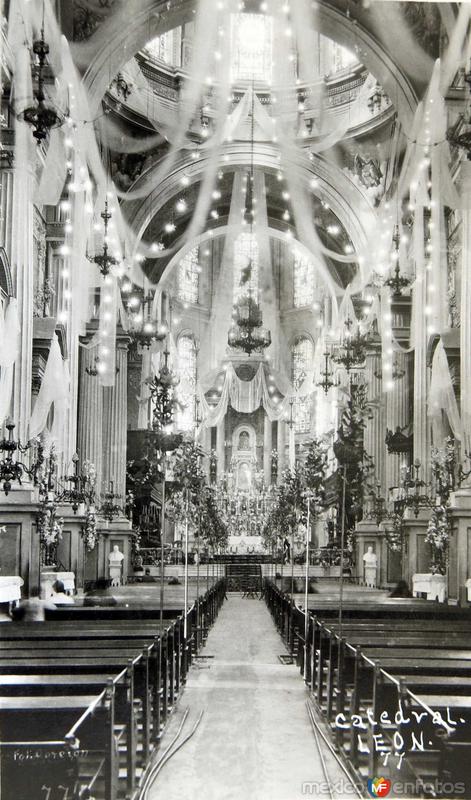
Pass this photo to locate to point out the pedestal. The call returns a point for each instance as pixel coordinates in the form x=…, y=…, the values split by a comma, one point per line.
x=10, y=588
x=433, y=586
x=49, y=577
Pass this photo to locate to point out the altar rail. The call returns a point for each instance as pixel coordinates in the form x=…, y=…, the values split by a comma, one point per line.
x=400, y=667
x=108, y=744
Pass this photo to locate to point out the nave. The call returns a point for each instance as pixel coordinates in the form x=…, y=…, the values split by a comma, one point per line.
x=255, y=739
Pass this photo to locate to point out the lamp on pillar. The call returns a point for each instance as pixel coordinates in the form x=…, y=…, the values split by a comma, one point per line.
x=104, y=260
x=110, y=508
x=10, y=468
x=81, y=487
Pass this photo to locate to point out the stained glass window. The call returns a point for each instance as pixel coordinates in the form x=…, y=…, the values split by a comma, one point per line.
x=186, y=351
x=251, y=47
x=246, y=260
x=301, y=357
x=303, y=279
x=188, y=277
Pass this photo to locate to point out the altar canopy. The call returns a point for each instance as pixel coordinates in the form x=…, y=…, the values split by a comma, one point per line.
x=247, y=396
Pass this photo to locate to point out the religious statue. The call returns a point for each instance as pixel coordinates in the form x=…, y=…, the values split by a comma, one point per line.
x=115, y=560
x=244, y=441
x=370, y=561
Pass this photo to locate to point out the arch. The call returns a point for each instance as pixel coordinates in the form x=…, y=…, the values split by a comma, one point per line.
x=249, y=430
x=125, y=35
x=347, y=201
x=6, y=280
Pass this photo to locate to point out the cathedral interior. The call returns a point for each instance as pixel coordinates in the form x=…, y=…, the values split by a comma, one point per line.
x=235, y=309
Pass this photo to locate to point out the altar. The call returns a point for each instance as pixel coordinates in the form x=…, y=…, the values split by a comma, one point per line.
x=245, y=545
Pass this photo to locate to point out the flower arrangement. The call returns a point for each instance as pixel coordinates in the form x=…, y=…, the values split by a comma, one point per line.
x=395, y=534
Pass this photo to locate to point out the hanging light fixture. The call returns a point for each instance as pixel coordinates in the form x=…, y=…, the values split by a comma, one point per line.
x=327, y=381
x=397, y=282
x=41, y=116
x=144, y=330
x=247, y=332
x=104, y=260
x=162, y=388
x=351, y=352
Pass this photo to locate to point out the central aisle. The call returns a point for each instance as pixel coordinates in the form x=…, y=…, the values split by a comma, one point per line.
x=255, y=741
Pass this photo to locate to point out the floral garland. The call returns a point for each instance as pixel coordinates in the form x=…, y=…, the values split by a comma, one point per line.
x=49, y=525
x=438, y=536
x=89, y=531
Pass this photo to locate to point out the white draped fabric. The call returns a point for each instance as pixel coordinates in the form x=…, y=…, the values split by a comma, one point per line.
x=9, y=346
x=54, y=391
x=247, y=396
x=442, y=399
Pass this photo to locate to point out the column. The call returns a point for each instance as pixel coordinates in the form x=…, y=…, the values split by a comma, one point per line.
x=281, y=447
x=19, y=246
x=397, y=414
x=221, y=448
x=375, y=427
x=90, y=420
x=421, y=439
x=267, y=448
x=115, y=399
x=465, y=333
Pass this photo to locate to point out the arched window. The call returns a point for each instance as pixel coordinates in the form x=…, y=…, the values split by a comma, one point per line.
x=189, y=277
x=186, y=351
x=246, y=260
x=301, y=357
x=303, y=281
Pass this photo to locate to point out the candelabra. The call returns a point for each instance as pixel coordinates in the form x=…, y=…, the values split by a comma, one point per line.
x=10, y=468
x=247, y=332
x=81, y=487
x=379, y=510
x=104, y=260
x=110, y=508
x=412, y=489
x=396, y=373
x=99, y=368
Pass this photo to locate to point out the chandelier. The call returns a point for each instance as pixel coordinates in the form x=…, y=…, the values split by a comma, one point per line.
x=104, y=260
x=143, y=328
x=247, y=332
x=351, y=352
x=41, y=116
x=162, y=388
x=327, y=381
x=397, y=283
